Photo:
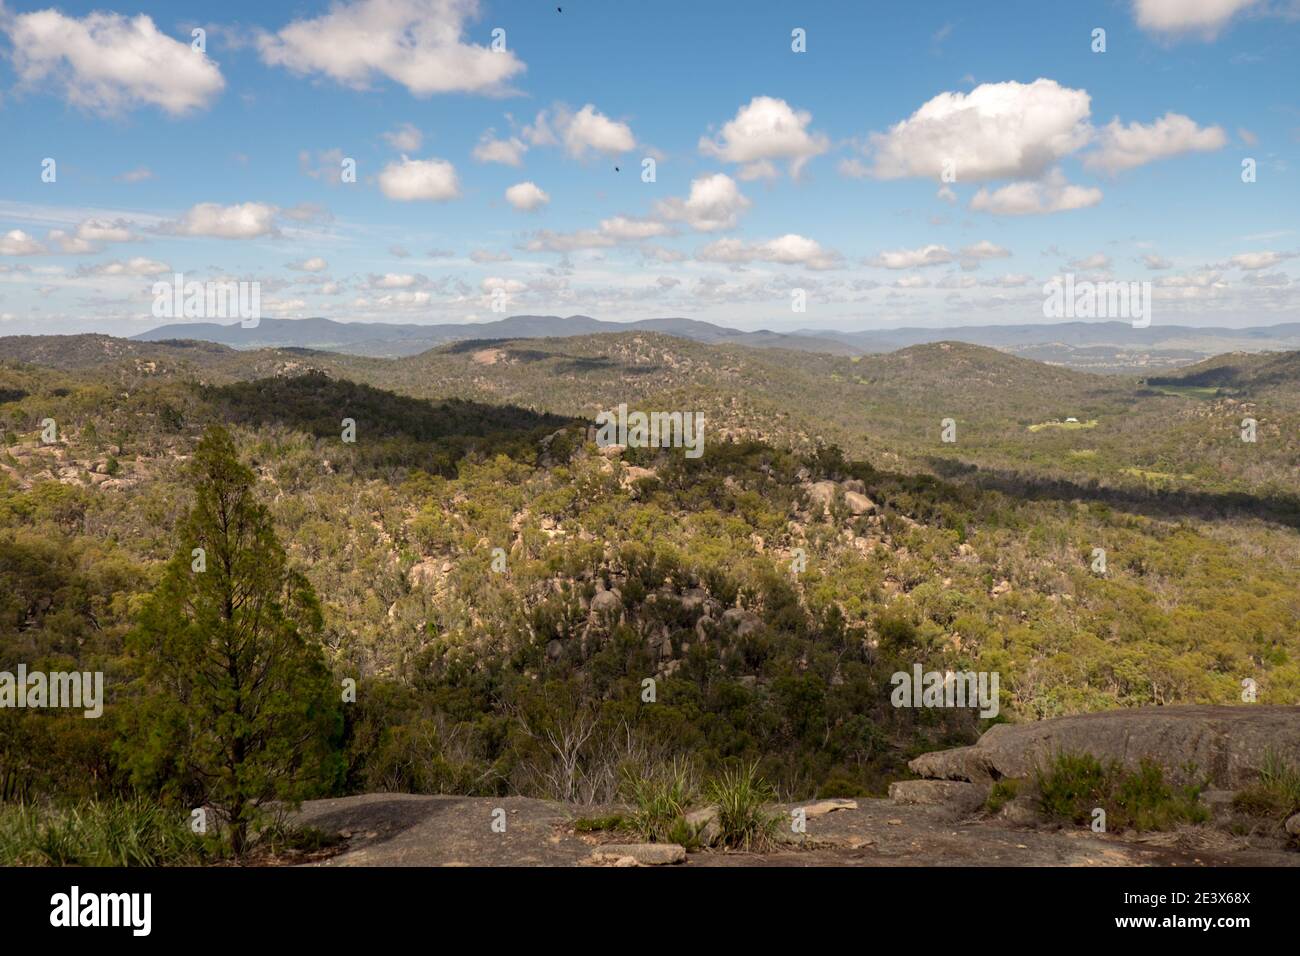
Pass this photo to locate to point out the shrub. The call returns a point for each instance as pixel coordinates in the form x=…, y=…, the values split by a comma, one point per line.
x=1001, y=793
x=1276, y=794
x=1075, y=784
x=660, y=800
x=741, y=797
x=115, y=833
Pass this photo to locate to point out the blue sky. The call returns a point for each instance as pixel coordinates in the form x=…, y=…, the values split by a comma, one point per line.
x=776, y=170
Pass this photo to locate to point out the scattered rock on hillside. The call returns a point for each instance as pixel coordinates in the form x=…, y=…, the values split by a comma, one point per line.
x=859, y=504
x=1227, y=745
x=821, y=494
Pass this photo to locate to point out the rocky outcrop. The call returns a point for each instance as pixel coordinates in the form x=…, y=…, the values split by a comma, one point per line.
x=640, y=854
x=1226, y=746
x=956, y=794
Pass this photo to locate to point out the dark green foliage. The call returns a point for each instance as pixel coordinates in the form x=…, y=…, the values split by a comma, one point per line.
x=1074, y=785
x=239, y=708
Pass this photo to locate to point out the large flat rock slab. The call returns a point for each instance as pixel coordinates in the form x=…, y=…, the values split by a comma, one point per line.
x=1227, y=745
x=408, y=830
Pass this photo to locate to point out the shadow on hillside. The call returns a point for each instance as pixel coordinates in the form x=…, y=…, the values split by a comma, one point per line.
x=390, y=429
x=565, y=363
x=1152, y=502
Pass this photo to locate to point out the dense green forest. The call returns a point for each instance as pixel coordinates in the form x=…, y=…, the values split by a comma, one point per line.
x=500, y=589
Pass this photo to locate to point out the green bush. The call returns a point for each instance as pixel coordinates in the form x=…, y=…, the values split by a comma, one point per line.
x=1276, y=794
x=741, y=797
x=1074, y=785
x=109, y=833
x=660, y=801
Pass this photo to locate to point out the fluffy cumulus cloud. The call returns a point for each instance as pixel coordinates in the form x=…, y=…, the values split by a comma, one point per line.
x=248, y=220
x=18, y=243
x=1051, y=194
x=417, y=43
x=969, y=257
x=715, y=202
x=396, y=280
x=1122, y=147
x=611, y=232
x=406, y=138
x=527, y=196
x=508, y=152
x=90, y=235
x=314, y=264
x=790, y=249
x=1096, y=262
x=764, y=130
x=931, y=255
x=138, y=266
x=982, y=250
x=996, y=131
x=580, y=133
x=410, y=180
x=1204, y=18
x=1251, y=261
x=108, y=63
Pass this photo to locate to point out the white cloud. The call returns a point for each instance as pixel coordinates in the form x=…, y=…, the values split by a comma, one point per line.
x=395, y=280
x=715, y=202
x=407, y=138
x=242, y=221
x=1153, y=261
x=1097, y=262
x=70, y=244
x=612, y=231
x=527, y=196
x=790, y=249
x=509, y=152
x=99, y=230
x=984, y=250
x=485, y=255
x=1053, y=194
x=1124, y=147
x=996, y=131
x=106, y=62
x=624, y=229
x=1258, y=260
x=589, y=129
x=1204, y=17
x=766, y=129
x=494, y=283
x=18, y=243
x=931, y=255
x=138, y=175
x=314, y=264
x=420, y=179
x=417, y=43
x=1274, y=280
x=138, y=266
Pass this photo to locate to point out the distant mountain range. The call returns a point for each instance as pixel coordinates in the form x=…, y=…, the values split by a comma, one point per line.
x=1098, y=346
